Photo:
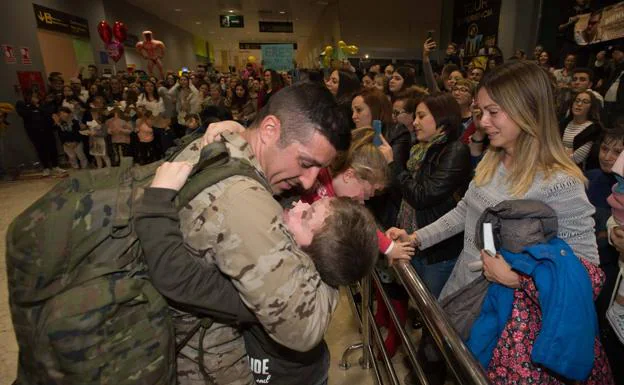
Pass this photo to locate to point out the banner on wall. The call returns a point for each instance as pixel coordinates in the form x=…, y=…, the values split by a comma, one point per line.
x=58, y=21
x=603, y=25
x=278, y=57
x=475, y=23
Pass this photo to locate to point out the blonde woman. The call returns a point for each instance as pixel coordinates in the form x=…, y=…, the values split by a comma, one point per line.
x=526, y=160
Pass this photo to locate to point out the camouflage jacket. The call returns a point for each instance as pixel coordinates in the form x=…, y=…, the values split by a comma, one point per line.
x=236, y=224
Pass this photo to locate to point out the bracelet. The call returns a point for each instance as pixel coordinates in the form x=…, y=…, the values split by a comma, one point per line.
x=473, y=140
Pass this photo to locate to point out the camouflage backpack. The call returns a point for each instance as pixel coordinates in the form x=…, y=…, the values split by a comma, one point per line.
x=82, y=305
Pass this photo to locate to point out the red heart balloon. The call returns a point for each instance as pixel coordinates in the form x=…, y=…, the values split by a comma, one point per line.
x=115, y=50
x=105, y=31
x=120, y=31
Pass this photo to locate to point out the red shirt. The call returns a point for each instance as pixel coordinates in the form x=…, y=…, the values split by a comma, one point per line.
x=323, y=188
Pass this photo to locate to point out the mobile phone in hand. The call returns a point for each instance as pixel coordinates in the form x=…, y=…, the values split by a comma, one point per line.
x=488, y=240
x=377, y=138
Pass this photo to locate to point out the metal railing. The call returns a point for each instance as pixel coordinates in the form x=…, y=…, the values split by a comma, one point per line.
x=462, y=364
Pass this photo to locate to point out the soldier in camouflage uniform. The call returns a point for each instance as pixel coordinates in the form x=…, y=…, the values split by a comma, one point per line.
x=236, y=224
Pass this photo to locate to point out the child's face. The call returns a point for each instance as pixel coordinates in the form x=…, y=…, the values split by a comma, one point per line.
x=192, y=124
x=304, y=220
x=610, y=149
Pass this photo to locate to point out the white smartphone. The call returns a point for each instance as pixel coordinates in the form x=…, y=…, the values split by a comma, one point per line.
x=488, y=239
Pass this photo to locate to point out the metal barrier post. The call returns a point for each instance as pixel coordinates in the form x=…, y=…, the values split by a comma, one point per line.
x=366, y=299
x=461, y=361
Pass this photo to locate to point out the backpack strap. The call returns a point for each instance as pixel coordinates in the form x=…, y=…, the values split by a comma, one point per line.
x=215, y=165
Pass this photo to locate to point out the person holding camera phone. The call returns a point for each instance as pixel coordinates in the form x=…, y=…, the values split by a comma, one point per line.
x=450, y=73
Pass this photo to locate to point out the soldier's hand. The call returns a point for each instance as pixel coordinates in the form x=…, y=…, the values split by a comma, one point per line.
x=172, y=175
x=214, y=131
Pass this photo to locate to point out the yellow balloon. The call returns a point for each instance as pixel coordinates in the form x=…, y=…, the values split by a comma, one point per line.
x=353, y=49
x=326, y=61
x=342, y=44
x=251, y=59
x=329, y=50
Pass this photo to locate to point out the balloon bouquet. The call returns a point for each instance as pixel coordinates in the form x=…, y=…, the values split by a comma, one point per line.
x=343, y=51
x=153, y=51
x=114, y=47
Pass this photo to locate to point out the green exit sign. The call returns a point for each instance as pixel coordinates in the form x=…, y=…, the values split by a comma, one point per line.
x=231, y=21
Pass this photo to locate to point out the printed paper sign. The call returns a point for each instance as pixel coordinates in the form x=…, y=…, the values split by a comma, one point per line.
x=25, y=55
x=8, y=51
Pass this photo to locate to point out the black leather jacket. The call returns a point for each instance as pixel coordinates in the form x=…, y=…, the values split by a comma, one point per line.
x=434, y=189
x=385, y=207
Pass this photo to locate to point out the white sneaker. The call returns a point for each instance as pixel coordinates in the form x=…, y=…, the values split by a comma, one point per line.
x=58, y=170
x=45, y=172
x=615, y=316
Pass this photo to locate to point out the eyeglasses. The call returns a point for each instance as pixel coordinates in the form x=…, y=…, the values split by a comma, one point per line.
x=582, y=101
x=396, y=113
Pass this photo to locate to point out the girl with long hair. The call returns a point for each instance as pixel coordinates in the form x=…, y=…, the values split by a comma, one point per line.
x=240, y=104
x=582, y=128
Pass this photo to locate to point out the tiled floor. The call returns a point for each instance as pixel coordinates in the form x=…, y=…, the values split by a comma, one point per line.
x=16, y=196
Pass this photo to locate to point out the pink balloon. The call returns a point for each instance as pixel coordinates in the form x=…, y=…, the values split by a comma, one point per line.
x=115, y=50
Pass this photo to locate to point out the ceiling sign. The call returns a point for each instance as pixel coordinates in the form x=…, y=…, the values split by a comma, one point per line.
x=58, y=21
x=276, y=26
x=231, y=21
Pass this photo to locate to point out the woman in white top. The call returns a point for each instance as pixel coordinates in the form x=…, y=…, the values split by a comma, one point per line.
x=187, y=99
x=151, y=100
x=581, y=129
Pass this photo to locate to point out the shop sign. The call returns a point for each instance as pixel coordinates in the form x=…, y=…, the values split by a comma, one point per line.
x=58, y=21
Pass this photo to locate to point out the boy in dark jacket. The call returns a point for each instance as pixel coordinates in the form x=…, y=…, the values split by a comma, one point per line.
x=69, y=134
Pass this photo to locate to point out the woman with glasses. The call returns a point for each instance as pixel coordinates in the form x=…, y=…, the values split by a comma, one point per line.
x=463, y=92
x=581, y=129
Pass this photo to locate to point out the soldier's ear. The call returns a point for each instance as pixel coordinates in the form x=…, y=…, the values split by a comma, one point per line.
x=270, y=129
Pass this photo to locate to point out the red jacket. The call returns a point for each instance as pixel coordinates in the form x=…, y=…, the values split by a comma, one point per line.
x=324, y=189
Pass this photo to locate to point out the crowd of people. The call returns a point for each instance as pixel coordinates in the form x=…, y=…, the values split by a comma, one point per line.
x=472, y=135
x=102, y=118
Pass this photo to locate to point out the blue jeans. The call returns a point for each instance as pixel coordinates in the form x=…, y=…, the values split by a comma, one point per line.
x=434, y=275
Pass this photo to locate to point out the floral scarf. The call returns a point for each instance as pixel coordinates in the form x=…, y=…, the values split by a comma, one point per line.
x=419, y=151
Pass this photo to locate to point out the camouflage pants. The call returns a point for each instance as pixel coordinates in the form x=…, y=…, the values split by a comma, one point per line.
x=224, y=356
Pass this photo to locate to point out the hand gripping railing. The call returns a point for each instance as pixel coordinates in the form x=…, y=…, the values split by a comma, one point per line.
x=460, y=361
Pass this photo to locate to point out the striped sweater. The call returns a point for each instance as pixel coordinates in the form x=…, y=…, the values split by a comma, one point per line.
x=563, y=193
